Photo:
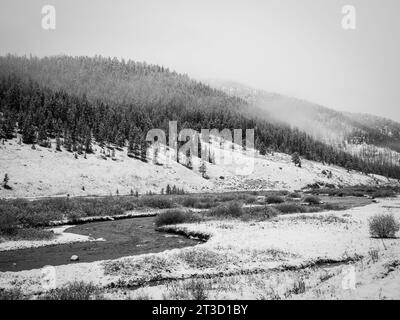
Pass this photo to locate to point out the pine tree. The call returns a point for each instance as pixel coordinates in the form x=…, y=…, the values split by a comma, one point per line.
x=203, y=169
x=136, y=151
x=143, y=151
x=168, y=191
x=155, y=154
x=189, y=163
x=7, y=125
x=263, y=149
x=296, y=159
x=42, y=137
x=67, y=141
x=58, y=143
x=79, y=149
x=28, y=132
x=5, y=181
x=88, y=143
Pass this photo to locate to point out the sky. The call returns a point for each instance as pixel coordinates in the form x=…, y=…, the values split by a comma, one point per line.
x=293, y=47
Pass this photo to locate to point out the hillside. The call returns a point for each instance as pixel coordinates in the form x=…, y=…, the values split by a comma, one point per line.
x=48, y=172
x=325, y=124
x=79, y=102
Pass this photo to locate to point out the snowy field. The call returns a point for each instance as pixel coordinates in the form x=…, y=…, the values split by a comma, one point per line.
x=297, y=256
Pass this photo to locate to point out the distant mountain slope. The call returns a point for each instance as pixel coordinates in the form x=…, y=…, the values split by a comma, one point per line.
x=325, y=124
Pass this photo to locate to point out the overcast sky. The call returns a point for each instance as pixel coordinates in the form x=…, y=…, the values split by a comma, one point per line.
x=294, y=47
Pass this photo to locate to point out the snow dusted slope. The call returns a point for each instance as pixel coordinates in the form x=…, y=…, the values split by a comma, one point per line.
x=45, y=172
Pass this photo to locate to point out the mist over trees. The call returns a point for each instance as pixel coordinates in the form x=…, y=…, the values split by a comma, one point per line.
x=81, y=100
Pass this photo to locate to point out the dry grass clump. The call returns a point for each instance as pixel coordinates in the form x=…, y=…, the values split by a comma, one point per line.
x=295, y=195
x=194, y=289
x=11, y=294
x=260, y=213
x=11, y=229
x=148, y=266
x=322, y=218
x=74, y=291
x=201, y=258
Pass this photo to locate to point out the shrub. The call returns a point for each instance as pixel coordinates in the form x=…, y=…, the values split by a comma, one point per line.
x=383, y=226
x=35, y=234
x=283, y=193
x=74, y=291
x=383, y=194
x=75, y=215
x=40, y=212
x=207, y=204
x=290, y=208
x=299, y=287
x=260, y=213
x=374, y=255
x=233, y=209
x=312, y=200
x=173, y=216
x=190, y=202
x=295, y=195
x=219, y=211
x=250, y=199
x=275, y=199
x=8, y=222
x=227, y=197
x=333, y=206
x=358, y=191
x=37, y=218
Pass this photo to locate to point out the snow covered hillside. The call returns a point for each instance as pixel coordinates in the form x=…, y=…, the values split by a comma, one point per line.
x=46, y=172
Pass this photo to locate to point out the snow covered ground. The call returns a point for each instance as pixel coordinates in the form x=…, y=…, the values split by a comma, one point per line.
x=60, y=237
x=257, y=259
x=46, y=172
